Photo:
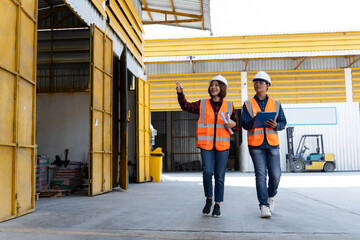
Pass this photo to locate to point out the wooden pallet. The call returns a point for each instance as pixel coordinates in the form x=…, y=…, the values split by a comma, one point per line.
x=51, y=193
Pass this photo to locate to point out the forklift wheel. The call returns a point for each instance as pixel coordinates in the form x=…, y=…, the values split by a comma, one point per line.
x=329, y=167
x=297, y=166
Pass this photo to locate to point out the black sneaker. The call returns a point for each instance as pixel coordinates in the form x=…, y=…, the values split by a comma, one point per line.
x=207, y=208
x=216, y=211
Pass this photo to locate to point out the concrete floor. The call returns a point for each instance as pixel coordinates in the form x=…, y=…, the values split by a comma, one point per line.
x=308, y=206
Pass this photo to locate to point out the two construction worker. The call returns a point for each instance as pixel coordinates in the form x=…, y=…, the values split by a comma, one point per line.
x=213, y=139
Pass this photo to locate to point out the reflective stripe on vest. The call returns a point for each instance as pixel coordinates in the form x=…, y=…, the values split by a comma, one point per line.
x=256, y=135
x=206, y=127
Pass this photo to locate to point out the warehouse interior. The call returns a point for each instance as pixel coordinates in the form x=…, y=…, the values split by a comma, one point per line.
x=65, y=98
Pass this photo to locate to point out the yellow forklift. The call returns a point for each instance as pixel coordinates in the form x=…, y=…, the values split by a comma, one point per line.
x=309, y=154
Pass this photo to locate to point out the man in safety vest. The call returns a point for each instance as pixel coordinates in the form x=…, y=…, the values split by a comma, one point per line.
x=264, y=142
x=213, y=137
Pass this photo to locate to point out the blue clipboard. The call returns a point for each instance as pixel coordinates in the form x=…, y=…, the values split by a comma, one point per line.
x=262, y=117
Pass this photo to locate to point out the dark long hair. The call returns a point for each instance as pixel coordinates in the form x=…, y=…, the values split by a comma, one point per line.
x=222, y=93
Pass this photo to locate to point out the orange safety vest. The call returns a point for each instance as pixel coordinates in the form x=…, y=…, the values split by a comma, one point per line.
x=255, y=136
x=206, y=127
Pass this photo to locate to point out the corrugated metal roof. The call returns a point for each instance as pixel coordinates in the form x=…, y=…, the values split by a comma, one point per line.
x=253, y=55
x=180, y=6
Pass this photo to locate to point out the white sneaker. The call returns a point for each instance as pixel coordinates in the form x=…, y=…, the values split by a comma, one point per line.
x=265, y=212
x=271, y=202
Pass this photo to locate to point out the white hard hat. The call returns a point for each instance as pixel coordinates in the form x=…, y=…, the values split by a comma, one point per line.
x=220, y=79
x=262, y=76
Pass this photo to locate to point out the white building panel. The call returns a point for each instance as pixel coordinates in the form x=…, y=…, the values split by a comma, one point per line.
x=341, y=137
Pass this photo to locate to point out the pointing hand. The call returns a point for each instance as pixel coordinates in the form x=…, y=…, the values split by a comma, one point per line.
x=179, y=88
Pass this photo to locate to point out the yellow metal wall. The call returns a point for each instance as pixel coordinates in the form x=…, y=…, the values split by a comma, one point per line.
x=355, y=73
x=101, y=113
x=126, y=23
x=305, y=86
x=253, y=44
x=163, y=94
x=143, y=131
x=17, y=104
x=292, y=86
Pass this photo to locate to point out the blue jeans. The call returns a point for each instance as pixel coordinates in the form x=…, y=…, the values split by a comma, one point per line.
x=266, y=161
x=214, y=163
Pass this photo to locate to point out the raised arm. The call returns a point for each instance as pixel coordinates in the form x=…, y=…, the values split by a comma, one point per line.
x=193, y=107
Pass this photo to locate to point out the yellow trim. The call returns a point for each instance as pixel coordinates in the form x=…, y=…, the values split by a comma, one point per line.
x=137, y=39
x=131, y=13
x=99, y=7
x=121, y=33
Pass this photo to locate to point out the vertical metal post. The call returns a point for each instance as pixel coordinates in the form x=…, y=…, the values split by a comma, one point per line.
x=170, y=166
x=348, y=85
x=244, y=96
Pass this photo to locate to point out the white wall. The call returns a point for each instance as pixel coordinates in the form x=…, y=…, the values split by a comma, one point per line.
x=341, y=138
x=62, y=122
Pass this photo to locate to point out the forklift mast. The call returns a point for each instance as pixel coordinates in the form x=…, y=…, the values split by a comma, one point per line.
x=290, y=141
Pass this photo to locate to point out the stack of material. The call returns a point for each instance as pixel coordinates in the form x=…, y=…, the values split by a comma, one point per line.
x=67, y=178
x=42, y=182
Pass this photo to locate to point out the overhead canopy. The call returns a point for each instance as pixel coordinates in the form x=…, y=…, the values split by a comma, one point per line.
x=183, y=13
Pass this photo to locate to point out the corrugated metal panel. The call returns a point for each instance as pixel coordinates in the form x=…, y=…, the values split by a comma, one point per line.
x=63, y=61
x=118, y=45
x=295, y=86
x=88, y=12
x=272, y=64
x=134, y=66
x=356, y=84
x=324, y=63
x=253, y=44
x=219, y=66
x=356, y=65
x=137, y=5
x=186, y=156
x=305, y=86
x=168, y=68
x=252, y=65
x=206, y=14
x=186, y=67
x=164, y=97
x=342, y=139
x=67, y=77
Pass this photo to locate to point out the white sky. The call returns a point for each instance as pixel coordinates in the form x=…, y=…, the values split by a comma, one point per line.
x=251, y=17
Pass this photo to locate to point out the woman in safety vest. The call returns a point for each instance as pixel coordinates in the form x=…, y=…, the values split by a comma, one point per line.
x=264, y=142
x=213, y=137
